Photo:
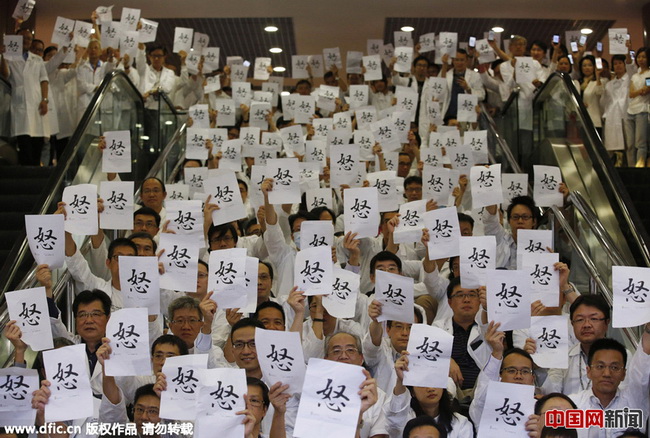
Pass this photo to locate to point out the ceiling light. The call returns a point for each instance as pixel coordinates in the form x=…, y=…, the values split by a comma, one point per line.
x=279, y=69
x=408, y=28
x=586, y=31
x=498, y=29
x=275, y=50
x=271, y=29
x=285, y=93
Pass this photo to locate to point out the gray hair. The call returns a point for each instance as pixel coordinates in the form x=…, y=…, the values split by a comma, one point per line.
x=184, y=303
x=328, y=338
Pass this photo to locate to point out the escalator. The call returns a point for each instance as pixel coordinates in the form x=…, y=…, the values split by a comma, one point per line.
x=117, y=105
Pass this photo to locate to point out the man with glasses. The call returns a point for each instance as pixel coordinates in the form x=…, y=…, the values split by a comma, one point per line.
x=412, y=186
x=153, y=194
x=186, y=321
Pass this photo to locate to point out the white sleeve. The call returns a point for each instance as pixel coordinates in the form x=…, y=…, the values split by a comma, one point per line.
x=488, y=374
x=110, y=413
x=397, y=413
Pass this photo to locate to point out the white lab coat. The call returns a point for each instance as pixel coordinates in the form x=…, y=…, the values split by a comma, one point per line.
x=88, y=79
x=25, y=77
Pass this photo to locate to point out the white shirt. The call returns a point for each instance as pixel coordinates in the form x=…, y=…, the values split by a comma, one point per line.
x=25, y=77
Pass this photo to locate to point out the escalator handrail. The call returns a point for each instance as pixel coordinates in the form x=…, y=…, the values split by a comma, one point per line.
x=603, y=165
x=56, y=180
x=514, y=94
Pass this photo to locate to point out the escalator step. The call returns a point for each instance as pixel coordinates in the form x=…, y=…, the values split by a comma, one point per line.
x=27, y=186
x=12, y=221
x=20, y=172
x=7, y=239
x=22, y=204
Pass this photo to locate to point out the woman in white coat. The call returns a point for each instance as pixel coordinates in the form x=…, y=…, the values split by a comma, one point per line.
x=614, y=103
x=591, y=89
x=29, y=99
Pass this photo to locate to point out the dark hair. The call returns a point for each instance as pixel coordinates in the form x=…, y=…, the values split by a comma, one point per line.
x=300, y=214
x=463, y=52
x=162, y=184
x=201, y=262
x=582, y=60
x=254, y=381
x=328, y=74
x=526, y=201
x=496, y=63
x=462, y=217
x=192, y=160
x=445, y=409
x=453, y=282
x=221, y=230
x=302, y=81
x=316, y=212
x=266, y=305
x=417, y=319
x=558, y=432
x=144, y=391
x=606, y=344
x=120, y=242
x=520, y=352
x=404, y=153
x=146, y=211
x=171, y=340
x=590, y=300
x=539, y=404
x=268, y=265
x=621, y=58
x=249, y=224
x=51, y=48
x=632, y=433
x=646, y=50
x=422, y=420
x=541, y=44
x=241, y=181
x=421, y=58
x=413, y=179
x=385, y=256
x=153, y=47
x=144, y=235
x=90, y=296
x=245, y=322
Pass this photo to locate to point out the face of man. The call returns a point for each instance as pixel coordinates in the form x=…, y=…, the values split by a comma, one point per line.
x=202, y=281
x=37, y=48
x=460, y=63
x=521, y=218
x=243, y=347
x=403, y=166
x=91, y=322
x=224, y=241
x=517, y=369
x=27, y=39
x=157, y=59
x=386, y=266
x=113, y=263
x=145, y=223
x=256, y=403
x=398, y=333
x=153, y=195
x=355, y=79
x=413, y=192
x=145, y=246
x=93, y=51
x=426, y=431
x=589, y=324
x=303, y=89
x=518, y=47
x=160, y=353
x=606, y=372
x=254, y=230
x=466, y=229
x=264, y=282
x=385, y=218
x=146, y=410
x=343, y=348
x=421, y=69
x=464, y=303
x=271, y=318
x=186, y=324
x=243, y=191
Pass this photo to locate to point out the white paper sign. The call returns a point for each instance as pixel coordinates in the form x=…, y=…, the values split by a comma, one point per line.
x=358, y=96
x=467, y=104
x=332, y=57
x=507, y=407
x=485, y=183
x=447, y=44
x=533, y=241
x=477, y=258
x=546, y=187
x=508, y=299
x=477, y=140
x=61, y=31
x=525, y=71
x=341, y=303
x=344, y=163
x=241, y=93
x=286, y=182
x=16, y=388
x=299, y=65
x=118, y=205
x=316, y=233
x=513, y=184
x=13, y=47
x=461, y=158
x=128, y=332
x=630, y=286
x=386, y=184
x=429, y=356
x=361, y=211
x=82, y=33
x=373, y=46
x=411, y=222
x=252, y=267
x=29, y=309
x=436, y=184
x=81, y=209
x=228, y=277
x=224, y=190
x=148, y=31
x=140, y=283
x=226, y=112
x=330, y=399
x=186, y=218
x=181, y=260
x=544, y=279
x=281, y=358
x=117, y=155
x=195, y=178
x=404, y=56
x=219, y=401
x=104, y=13
x=372, y=64
x=70, y=393
x=129, y=43
x=617, y=40
x=23, y=9
x=46, y=237
x=129, y=19
x=551, y=335
x=395, y=292
x=485, y=52
x=317, y=65
x=200, y=42
x=444, y=232
x=427, y=42
x=182, y=39
x=313, y=270
x=179, y=400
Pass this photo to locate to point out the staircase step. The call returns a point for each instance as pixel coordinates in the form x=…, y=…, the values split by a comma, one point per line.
x=28, y=186
x=18, y=203
x=19, y=172
x=12, y=221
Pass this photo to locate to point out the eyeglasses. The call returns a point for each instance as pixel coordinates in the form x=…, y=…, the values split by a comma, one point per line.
x=139, y=224
x=182, y=322
x=157, y=56
x=601, y=367
x=148, y=191
x=337, y=352
x=592, y=321
x=224, y=239
x=160, y=356
x=203, y=275
x=117, y=256
x=523, y=217
x=264, y=277
x=464, y=295
x=150, y=411
x=92, y=315
x=239, y=345
x=414, y=189
x=512, y=371
x=255, y=402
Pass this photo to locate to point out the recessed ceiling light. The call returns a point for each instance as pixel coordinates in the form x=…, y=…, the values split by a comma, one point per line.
x=279, y=69
x=285, y=93
x=408, y=28
x=586, y=31
x=498, y=29
x=275, y=50
x=271, y=29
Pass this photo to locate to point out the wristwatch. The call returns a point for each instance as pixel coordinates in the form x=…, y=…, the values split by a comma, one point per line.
x=46, y=100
